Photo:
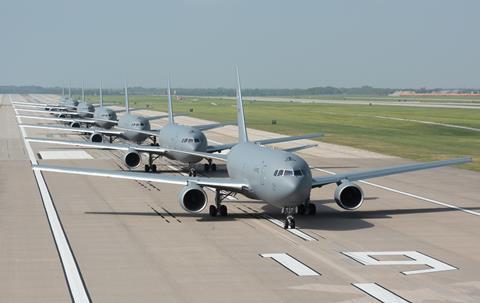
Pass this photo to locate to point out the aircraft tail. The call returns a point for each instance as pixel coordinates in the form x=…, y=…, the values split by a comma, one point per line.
x=127, y=105
x=242, y=128
x=170, y=107
x=83, y=92
x=101, y=95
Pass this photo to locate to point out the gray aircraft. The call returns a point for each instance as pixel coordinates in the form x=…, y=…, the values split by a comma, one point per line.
x=175, y=141
x=277, y=177
x=129, y=127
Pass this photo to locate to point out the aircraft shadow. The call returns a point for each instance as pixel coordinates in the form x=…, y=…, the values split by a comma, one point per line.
x=327, y=218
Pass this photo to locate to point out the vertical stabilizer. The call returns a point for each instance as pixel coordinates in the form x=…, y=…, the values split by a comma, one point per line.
x=242, y=128
x=83, y=92
x=170, y=107
x=101, y=95
x=127, y=105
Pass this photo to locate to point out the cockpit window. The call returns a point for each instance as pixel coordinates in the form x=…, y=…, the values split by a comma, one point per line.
x=196, y=140
x=298, y=173
x=190, y=140
x=288, y=172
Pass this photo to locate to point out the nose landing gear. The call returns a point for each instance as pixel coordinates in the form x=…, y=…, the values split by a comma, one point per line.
x=289, y=220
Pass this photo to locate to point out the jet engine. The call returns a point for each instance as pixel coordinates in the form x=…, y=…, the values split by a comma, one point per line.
x=348, y=195
x=62, y=116
x=132, y=159
x=75, y=124
x=96, y=138
x=193, y=198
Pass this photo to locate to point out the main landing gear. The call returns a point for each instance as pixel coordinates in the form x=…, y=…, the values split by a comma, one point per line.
x=303, y=209
x=209, y=165
x=219, y=208
x=150, y=166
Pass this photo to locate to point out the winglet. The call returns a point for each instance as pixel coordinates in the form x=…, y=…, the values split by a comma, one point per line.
x=101, y=94
x=242, y=129
x=127, y=106
x=170, y=107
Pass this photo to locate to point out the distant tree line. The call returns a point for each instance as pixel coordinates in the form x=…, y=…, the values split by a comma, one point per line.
x=314, y=91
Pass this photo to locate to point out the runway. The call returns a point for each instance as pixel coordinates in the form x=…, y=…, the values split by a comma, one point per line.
x=413, y=240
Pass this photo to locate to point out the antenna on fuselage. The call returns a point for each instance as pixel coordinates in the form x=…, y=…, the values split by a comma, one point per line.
x=170, y=107
x=127, y=106
x=242, y=128
x=101, y=94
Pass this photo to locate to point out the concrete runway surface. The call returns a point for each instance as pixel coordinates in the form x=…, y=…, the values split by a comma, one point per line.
x=78, y=238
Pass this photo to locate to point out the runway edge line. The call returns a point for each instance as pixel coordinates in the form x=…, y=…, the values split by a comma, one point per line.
x=76, y=284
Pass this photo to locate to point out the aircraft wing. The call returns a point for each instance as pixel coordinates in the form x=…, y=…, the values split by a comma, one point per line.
x=218, y=148
x=146, y=132
x=109, y=132
x=368, y=174
x=209, y=126
x=294, y=149
x=150, y=118
x=223, y=183
x=127, y=147
x=54, y=112
x=66, y=120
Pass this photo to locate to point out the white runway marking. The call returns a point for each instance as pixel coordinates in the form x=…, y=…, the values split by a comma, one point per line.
x=64, y=154
x=415, y=258
x=431, y=123
x=411, y=195
x=380, y=293
x=292, y=264
x=75, y=282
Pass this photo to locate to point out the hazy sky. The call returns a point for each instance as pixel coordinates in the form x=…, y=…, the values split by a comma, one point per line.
x=276, y=43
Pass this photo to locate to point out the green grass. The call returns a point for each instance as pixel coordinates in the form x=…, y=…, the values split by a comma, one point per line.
x=351, y=125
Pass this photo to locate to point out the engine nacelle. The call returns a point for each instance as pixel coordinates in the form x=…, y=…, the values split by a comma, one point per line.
x=132, y=159
x=62, y=116
x=75, y=124
x=349, y=196
x=193, y=198
x=96, y=137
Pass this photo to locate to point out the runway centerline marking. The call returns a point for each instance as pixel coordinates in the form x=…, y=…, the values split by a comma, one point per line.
x=410, y=195
x=380, y=293
x=291, y=264
x=76, y=285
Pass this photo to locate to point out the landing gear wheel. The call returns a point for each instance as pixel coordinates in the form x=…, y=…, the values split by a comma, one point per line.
x=154, y=168
x=223, y=210
x=289, y=223
x=206, y=167
x=147, y=168
x=312, y=209
x=212, y=210
x=301, y=209
x=192, y=172
x=214, y=167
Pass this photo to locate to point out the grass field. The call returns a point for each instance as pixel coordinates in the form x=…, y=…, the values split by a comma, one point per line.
x=352, y=125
